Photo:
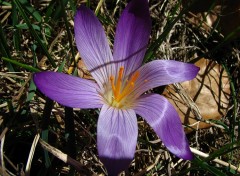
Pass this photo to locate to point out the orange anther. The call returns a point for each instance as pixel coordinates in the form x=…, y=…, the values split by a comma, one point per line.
x=120, y=92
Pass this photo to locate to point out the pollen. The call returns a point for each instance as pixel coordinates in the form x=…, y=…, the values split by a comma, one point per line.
x=121, y=88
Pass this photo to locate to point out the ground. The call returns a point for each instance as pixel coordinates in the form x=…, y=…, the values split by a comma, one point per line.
x=40, y=137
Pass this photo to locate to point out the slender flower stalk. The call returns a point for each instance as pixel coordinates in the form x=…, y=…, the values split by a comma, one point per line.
x=120, y=85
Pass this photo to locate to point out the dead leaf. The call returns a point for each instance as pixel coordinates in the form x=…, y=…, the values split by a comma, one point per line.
x=83, y=71
x=208, y=95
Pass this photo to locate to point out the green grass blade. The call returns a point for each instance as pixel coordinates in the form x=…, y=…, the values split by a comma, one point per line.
x=45, y=125
x=5, y=49
x=224, y=150
x=30, y=10
x=32, y=87
x=58, y=9
x=235, y=102
x=61, y=67
x=49, y=11
x=16, y=32
x=73, y=5
x=31, y=91
x=88, y=4
x=34, y=33
x=25, y=26
x=206, y=167
x=68, y=32
x=28, y=67
x=44, y=136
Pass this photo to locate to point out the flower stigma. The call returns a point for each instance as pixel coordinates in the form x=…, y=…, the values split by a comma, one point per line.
x=121, y=89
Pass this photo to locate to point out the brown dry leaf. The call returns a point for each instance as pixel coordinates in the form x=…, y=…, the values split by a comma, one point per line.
x=83, y=71
x=209, y=91
x=223, y=13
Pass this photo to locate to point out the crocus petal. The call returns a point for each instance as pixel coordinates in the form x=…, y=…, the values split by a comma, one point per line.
x=163, y=72
x=116, y=138
x=92, y=44
x=132, y=35
x=164, y=120
x=68, y=90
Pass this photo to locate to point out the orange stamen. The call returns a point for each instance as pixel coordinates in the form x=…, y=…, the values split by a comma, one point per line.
x=119, y=81
x=112, y=84
x=119, y=92
x=129, y=87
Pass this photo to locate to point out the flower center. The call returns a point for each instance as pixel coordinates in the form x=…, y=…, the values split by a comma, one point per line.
x=121, y=88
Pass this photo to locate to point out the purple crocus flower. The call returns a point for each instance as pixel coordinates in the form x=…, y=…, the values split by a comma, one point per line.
x=120, y=85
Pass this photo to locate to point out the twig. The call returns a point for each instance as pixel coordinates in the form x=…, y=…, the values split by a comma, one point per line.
x=12, y=75
x=3, y=105
x=2, y=161
x=98, y=7
x=149, y=167
x=65, y=158
x=31, y=154
x=205, y=155
x=3, y=133
x=9, y=162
